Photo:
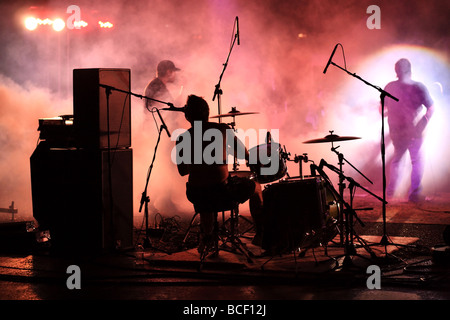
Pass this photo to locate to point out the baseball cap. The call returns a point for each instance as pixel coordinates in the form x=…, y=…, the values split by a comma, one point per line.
x=166, y=65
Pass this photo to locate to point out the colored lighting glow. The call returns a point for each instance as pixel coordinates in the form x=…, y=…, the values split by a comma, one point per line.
x=80, y=24
x=58, y=25
x=105, y=24
x=32, y=23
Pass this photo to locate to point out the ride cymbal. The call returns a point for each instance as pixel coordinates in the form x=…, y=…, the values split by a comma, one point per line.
x=331, y=138
x=233, y=113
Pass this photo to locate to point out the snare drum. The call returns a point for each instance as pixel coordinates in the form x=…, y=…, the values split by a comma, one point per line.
x=266, y=162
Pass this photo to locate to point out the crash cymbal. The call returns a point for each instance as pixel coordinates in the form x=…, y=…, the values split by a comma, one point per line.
x=233, y=113
x=331, y=138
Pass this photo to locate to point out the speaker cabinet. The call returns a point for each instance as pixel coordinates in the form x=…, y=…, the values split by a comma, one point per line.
x=100, y=113
x=83, y=197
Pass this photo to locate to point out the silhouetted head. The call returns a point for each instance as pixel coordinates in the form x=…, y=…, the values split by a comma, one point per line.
x=164, y=67
x=197, y=109
x=166, y=71
x=403, y=68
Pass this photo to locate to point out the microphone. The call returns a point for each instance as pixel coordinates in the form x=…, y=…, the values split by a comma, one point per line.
x=331, y=58
x=237, y=33
x=163, y=124
x=172, y=108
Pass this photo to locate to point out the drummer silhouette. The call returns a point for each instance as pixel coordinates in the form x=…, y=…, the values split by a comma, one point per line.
x=210, y=183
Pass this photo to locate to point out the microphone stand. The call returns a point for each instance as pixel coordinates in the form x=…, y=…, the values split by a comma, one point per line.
x=145, y=199
x=383, y=94
x=349, y=249
x=218, y=91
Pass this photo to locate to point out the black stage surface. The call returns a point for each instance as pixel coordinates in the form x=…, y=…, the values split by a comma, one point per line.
x=414, y=265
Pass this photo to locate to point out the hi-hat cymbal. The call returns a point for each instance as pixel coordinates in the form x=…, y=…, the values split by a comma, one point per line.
x=233, y=113
x=331, y=138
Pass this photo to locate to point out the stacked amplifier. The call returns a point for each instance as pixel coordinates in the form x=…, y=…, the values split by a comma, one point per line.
x=81, y=171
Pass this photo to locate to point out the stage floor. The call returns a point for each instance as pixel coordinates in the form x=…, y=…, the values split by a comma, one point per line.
x=413, y=265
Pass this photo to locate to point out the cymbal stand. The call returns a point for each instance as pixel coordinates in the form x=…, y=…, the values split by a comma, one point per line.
x=346, y=211
x=235, y=216
x=233, y=126
x=341, y=184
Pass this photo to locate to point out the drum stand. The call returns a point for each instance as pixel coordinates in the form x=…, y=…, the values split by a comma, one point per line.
x=233, y=113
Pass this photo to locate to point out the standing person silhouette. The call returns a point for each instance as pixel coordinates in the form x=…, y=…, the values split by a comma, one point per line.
x=166, y=73
x=406, y=127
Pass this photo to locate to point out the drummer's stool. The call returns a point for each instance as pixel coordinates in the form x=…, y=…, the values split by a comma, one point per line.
x=227, y=235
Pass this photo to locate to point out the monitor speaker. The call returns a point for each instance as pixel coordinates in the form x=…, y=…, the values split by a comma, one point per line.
x=83, y=197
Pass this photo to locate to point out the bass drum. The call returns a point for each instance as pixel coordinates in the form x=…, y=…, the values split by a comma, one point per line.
x=266, y=166
x=298, y=214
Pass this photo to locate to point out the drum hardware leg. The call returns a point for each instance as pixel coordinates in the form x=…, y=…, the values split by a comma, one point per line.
x=314, y=255
x=346, y=214
x=250, y=228
x=236, y=228
x=230, y=235
x=210, y=245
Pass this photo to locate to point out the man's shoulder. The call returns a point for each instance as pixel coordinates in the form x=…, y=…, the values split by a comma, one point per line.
x=393, y=84
x=154, y=85
x=419, y=85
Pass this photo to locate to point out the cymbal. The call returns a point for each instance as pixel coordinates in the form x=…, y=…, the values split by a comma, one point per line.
x=233, y=113
x=331, y=138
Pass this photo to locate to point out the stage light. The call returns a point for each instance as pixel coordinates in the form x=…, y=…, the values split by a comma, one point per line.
x=80, y=24
x=107, y=24
x=31, y=23
x=45, y=22
x=58, y=25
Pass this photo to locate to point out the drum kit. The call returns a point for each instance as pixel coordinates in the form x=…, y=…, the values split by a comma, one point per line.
x=304, y=211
